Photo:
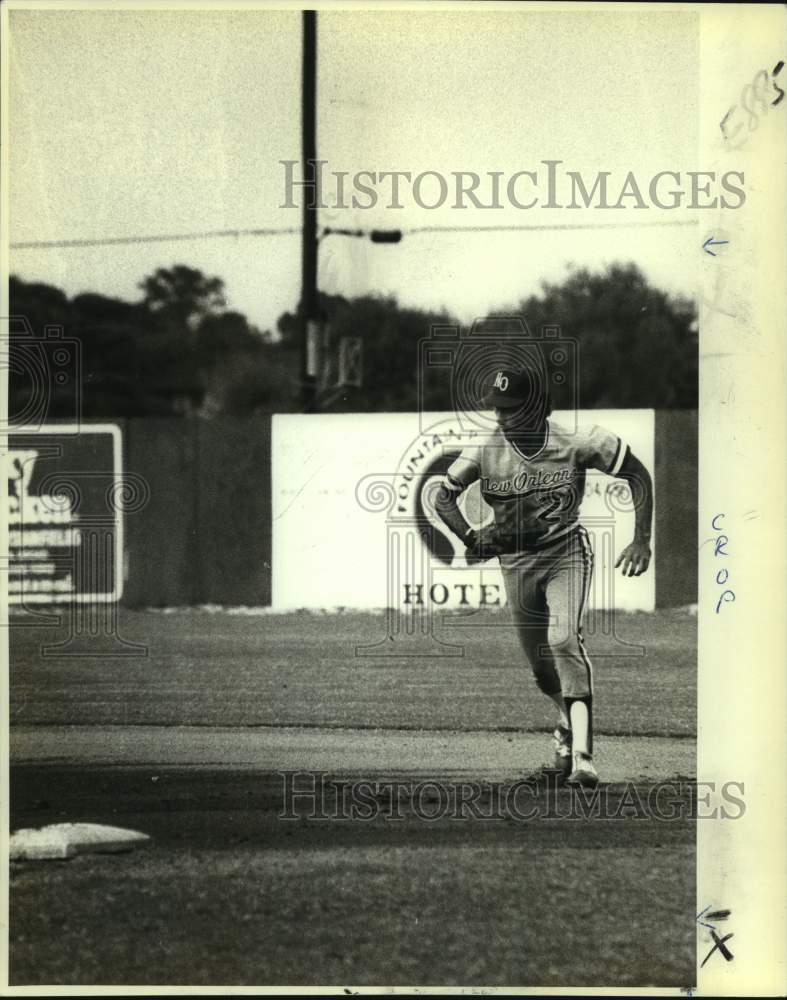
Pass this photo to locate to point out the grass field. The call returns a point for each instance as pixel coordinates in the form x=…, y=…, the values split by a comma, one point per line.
x=301, y=669
x=184, y=743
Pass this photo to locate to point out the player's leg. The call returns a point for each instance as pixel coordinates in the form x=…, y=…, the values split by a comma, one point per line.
x=567, y=589
x=530, y=618
x=527, y=605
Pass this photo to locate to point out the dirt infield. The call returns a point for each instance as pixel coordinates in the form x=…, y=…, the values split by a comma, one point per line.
x=186, y=744
x=237, y=888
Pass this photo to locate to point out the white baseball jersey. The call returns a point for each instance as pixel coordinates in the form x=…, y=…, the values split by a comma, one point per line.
x=536, y=498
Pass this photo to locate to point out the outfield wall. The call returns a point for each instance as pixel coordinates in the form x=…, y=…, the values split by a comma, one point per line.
x=205, y=534
x=675, y=517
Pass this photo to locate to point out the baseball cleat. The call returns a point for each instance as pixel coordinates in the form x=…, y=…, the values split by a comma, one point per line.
x=584, y=772
x=562, y=742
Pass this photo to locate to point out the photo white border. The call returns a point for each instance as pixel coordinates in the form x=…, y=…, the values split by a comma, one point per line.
x=741, y=667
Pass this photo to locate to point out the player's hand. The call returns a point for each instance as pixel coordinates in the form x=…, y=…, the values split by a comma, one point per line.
x=634, y=559
x=485, y=544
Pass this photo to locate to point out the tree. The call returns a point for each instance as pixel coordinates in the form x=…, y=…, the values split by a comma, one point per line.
x=182, y=294
x=242, y=371
x=179, y=351
x=42, y=305
x=111, y=334
x=31, y=362
x=131, y=362
x=227, y=332
x=637, y=345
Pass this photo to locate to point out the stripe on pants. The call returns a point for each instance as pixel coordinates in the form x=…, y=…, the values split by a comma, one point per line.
x=587, y=564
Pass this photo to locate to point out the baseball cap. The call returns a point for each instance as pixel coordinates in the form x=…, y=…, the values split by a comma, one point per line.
x=509, y=387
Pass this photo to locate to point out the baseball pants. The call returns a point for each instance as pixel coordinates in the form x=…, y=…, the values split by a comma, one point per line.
x=547, y=591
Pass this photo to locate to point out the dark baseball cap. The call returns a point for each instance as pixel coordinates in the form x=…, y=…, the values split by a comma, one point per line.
x=509, y=387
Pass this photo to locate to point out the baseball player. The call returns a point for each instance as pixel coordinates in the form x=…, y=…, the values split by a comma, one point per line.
x=532, y=474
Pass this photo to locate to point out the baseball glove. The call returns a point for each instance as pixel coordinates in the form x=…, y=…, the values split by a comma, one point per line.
x=484, y=544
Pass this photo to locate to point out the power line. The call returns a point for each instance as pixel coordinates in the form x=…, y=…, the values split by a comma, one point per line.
x=549, y=226
x=164, y=238
x=296, y=231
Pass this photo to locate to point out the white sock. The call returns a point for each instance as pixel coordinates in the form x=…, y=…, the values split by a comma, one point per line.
x=580, y=726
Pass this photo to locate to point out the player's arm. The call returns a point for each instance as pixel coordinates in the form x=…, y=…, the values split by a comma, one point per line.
x=479, y=545
x=635, y=558
x=446, y=504
x=603, y=450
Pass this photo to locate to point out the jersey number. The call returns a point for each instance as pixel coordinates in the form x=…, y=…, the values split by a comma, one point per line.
x=554, y=505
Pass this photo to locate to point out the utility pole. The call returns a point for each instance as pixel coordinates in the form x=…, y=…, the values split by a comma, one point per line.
x=311, y=317
x=309, y=296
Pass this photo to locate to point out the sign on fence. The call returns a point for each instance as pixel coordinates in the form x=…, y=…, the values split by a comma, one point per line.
x=66, y=497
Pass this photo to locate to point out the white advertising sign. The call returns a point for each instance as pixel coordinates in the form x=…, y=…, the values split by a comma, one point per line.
x=359, y=531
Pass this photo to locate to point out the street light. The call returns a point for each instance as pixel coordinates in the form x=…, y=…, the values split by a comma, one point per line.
x=375, y=235
x=385, y=235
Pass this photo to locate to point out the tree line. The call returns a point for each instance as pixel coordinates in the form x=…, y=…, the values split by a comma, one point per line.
x=178, y=351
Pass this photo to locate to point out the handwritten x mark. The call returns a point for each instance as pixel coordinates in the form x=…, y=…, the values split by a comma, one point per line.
x=719, y=943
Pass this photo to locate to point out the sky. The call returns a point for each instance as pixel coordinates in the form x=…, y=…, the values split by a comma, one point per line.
x=132, y=122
